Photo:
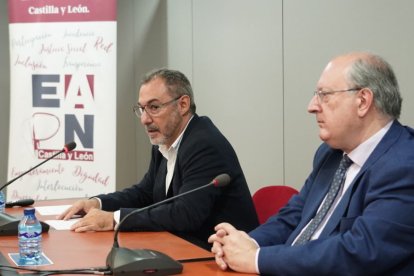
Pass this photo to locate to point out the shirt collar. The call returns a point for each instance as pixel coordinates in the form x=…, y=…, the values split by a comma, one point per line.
x=361, y=153
x=174, y=147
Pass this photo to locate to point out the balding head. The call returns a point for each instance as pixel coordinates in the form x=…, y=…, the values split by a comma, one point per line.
x=367, y=70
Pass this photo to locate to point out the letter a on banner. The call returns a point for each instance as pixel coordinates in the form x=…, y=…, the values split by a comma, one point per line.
x=63, y=89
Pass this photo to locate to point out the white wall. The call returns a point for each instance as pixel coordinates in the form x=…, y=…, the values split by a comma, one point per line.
x=4, y=90
x=238, y=78
x=253, y=65
x=314, y=32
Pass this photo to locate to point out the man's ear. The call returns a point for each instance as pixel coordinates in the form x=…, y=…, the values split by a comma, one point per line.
x=365, y=101
x=184, y=104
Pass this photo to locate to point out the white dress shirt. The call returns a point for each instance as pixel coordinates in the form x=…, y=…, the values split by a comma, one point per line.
x=171, y=155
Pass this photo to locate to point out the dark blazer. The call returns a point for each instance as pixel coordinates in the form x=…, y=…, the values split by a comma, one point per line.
x=371, y=232
x=203, y=154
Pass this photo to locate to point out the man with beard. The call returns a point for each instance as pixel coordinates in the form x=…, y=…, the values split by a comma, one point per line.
x=188, y=152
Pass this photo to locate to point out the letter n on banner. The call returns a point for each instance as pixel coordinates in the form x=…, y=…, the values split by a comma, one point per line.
x=63, y=89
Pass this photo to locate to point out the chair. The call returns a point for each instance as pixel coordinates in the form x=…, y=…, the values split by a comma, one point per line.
x=268, y=200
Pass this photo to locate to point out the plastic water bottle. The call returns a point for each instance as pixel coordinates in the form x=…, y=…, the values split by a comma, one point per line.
x=30, y=238
x=2, y=202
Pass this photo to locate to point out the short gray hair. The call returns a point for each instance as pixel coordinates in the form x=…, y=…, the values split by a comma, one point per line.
x=373, y=72
x=176, y=82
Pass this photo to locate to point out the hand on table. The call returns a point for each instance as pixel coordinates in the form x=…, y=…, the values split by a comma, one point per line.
x=233, y=249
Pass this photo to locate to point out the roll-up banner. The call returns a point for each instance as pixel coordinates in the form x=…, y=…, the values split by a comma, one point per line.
x=63, y=89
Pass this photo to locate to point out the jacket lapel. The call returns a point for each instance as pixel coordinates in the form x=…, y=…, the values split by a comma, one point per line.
x=387, y=141
x=159, y=189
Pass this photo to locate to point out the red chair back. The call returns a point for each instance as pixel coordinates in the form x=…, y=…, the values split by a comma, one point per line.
x=268, y=200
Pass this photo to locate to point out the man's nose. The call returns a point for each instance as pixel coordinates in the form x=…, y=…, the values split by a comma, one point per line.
x=314, y=105
x=145, y=118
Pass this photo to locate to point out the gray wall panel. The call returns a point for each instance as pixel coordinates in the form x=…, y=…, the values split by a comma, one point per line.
x=238, y=78
x=315, y=31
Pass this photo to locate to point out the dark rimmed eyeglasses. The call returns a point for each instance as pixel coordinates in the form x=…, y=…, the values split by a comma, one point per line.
x=152, y=109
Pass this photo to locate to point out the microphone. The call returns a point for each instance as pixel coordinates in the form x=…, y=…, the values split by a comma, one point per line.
x=130, y=262
x=20, y=203
x=68, y=147
x=8, y=223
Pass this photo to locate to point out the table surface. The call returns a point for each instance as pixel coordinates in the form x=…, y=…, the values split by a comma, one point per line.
x=70, y=250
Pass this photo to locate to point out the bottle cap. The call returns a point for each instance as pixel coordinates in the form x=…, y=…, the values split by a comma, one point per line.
x=29, y=211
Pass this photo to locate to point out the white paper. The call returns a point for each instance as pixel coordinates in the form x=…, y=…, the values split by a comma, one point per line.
x=52, y=210
x=61, y=224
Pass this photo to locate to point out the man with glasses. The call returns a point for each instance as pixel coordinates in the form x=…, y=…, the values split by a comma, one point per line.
x=354, y=214
x=188, y=152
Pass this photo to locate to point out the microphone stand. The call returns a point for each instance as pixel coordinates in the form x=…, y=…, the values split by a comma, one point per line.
x=8, y=223
x=31, y=169
x=130, y=262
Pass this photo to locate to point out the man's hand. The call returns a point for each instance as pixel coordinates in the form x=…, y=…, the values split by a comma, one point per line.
x=95, y=220
x=80, y=207
x=217, y=248
x=233, y=248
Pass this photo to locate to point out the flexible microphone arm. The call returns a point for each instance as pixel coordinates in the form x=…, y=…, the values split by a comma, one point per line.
x=219, y=181
x=8, y=223
x=68, y=147
x=142, y=262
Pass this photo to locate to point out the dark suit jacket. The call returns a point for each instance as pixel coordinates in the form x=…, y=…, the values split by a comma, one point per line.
x=371, y=232
x=203, y=154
